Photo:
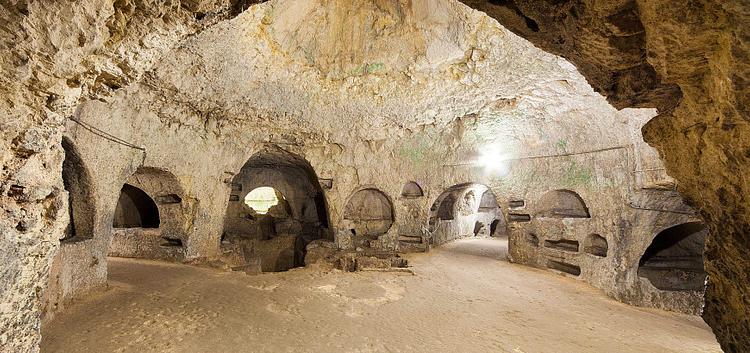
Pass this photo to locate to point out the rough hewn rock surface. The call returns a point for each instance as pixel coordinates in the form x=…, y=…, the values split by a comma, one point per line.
x=55, y=54
x=638, y=53
x=418, y=88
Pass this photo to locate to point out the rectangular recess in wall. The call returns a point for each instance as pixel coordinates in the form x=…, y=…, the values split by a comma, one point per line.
x=234, y=197
x=171, y=242
x=516, y=203
x=519, y=217
x=562, y=244
x=168, y=199
x=326, y=183
x=564, y=267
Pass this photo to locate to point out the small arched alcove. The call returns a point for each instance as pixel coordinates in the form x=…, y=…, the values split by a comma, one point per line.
x=135, y=209
x=77, y=183
x=411, y=190
x=153, y=216
x=479, y=228
x=561, y=204
x=460, y=212
x=674, y=260
x=370, y=211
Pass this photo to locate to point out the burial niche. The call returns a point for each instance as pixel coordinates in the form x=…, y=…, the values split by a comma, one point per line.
x=370, y=211
x=459, y=213
x=77, y=183
x=276, y=207
x=411, y=190
x=135, y=209
x=674, y=260
x=561, y=204
x=153, y=216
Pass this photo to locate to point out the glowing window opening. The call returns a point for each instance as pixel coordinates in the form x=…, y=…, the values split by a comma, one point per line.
x=262, y=199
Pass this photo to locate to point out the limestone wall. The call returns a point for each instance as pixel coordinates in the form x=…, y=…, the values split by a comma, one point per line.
x=459, y=99
x=689, y=60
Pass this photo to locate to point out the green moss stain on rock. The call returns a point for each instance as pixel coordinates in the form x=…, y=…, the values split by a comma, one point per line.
x=415, y=151
x=576, y=175
x=374, y=67
x=367, y=69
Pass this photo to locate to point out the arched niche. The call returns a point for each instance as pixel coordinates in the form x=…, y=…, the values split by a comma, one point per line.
x=276, y=237
x=370, y=211
x=561, y=204
x=135, y=209
x=77, y=182
x=674, y=260
x=153, y=217
x=411, y=190
x=465, y=210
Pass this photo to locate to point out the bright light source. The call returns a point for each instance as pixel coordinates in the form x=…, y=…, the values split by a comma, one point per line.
x=494, y=159
x=262, y=199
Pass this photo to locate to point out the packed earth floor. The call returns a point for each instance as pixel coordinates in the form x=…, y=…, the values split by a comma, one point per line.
x=462, y=297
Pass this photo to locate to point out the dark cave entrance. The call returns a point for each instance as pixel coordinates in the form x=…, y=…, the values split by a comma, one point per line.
x=674, y=260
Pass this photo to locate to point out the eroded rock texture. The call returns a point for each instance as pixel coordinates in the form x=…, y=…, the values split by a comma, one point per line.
x=54, y=55
x=690, y=60
x=195, y=89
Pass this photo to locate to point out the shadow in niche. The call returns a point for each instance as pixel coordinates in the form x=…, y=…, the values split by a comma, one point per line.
x=77, y=183
x=561, y=204
x=494, y=228
x=562, y=245
x=411, y=190
x=674, y=260
x=596, y=245
x=564, y=267
x=135, y=209
x=445, y=208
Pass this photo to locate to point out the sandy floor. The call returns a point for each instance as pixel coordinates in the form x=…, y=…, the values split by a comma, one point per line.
x=462, y=298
